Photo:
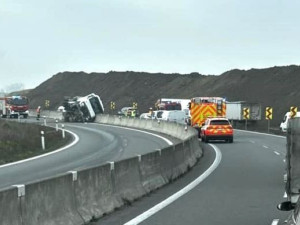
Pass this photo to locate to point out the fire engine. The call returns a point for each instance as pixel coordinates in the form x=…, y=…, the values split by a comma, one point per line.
x=203, y=107
x=14, y=106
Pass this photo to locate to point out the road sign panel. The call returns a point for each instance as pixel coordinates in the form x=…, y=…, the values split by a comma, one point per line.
x=269, y=113
x=293, y=111
x=246, y=113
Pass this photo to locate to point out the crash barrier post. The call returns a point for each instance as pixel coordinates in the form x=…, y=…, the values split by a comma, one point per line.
x=43, y=140
x=10, y=202
x=292, y=158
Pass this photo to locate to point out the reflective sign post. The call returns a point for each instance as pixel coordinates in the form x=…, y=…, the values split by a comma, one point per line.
x=246, y=116
x=269, y=116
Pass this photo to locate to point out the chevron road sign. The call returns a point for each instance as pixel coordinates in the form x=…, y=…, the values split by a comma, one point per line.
x=293, y=111
x=269, y=113
x=246, y=113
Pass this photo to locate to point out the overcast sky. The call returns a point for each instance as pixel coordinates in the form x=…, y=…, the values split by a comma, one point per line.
x=41, y=38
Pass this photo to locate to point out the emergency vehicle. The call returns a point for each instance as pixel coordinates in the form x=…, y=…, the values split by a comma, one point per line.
x=14, y=106
x=204, y=107
x=217, y=128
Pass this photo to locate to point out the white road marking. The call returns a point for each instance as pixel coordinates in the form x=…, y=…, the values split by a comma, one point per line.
x=275, y=222
x=285, y=195
x=277, y=153
x=253, y=142
x=265, y=146
x=284, y=160
x=47, y=154
x=145, y=132
x=253, y=132
x=180, y=193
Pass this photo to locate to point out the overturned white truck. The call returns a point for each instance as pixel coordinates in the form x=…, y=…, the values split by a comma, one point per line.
x=82, y=109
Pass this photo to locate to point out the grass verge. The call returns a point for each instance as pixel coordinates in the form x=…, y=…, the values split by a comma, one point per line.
x=23, y=140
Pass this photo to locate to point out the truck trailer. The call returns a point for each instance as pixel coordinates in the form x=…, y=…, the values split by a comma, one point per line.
x=234, y=111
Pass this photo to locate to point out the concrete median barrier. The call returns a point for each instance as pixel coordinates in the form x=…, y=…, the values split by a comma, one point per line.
x=167, y=163
x=10, y=211
x=128, y=185
x=50, y=202
x=150, y=169
x=95, y=193
x=180, y=161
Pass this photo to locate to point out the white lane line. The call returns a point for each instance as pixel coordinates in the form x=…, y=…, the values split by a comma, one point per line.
x=141, y=131
x=253, y=142
x=145, y=215
x=277, y=153
x=253, y=132
x=275, y=222
x=285, y=195
x=265, y=146
x=47, y=154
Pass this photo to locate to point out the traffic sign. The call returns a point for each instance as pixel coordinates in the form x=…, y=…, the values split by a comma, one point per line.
x=269, y=113
x=47, y=103
x=246, y=113
x=134, y=105
x=112, y=105
x=293, y=111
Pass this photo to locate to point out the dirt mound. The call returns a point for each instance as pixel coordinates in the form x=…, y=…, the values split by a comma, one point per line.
x=276, y=87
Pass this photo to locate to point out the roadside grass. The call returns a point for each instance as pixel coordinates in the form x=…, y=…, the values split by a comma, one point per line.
x=23, y=140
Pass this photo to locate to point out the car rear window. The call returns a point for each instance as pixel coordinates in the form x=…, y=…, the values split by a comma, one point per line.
x=219, y=122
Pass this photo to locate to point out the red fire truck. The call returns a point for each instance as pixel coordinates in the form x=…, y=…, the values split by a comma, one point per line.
x=14, y=106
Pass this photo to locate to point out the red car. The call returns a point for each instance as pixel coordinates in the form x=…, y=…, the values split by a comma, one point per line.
x=217, y=128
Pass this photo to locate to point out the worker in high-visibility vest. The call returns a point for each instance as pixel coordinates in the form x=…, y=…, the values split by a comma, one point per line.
x=133, y=113
x=38, y=112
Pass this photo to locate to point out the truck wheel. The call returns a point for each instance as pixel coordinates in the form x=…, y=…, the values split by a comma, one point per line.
x=230, y=140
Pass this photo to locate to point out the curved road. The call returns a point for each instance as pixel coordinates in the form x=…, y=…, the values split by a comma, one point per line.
x=244, y=189
x=97, y=144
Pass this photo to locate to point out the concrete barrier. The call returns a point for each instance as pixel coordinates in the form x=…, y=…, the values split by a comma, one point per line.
x=128, y=185
x=72, y=200
x=167, y=163
x=150, y=169
x=50, y=202
x=94, y=192
x=180, y=160
x=10, y=207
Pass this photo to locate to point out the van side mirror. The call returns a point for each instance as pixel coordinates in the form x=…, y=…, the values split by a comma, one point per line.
x=286, y=206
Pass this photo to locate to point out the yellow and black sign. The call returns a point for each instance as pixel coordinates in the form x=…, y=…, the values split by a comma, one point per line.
x=134, y=105
x=112, y=105
x=47, y=103
x=246, y=113
x=269, y=113
x=293, y=111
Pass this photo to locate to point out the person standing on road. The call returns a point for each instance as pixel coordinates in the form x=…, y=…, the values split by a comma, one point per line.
x=133, y=113
x=38, y=112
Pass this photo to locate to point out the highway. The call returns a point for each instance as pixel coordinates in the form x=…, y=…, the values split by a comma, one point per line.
x=94, y=145
x=244, y=188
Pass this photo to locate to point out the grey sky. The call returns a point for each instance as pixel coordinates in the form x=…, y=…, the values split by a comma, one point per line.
x=41, y=38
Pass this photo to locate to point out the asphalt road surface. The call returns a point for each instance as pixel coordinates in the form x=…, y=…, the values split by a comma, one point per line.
x=96, y=144
x=244, y=188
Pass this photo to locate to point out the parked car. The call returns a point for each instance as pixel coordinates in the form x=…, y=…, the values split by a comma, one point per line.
x=216, y=128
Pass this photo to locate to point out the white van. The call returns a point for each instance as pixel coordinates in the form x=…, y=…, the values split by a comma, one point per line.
x=177, y=116
x=283, y=125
